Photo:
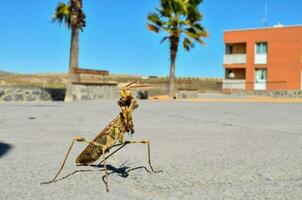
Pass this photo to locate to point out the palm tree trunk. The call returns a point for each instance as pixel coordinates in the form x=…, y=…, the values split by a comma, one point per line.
x=173, y=52
x=172, y=77
x=73, y=63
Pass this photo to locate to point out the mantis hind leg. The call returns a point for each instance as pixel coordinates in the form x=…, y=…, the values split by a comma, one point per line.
x=105, y=167
x=149, y=151
x=76, y=139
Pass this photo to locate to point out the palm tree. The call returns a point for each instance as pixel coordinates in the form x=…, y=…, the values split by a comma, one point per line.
x=72, y=15
x=180, y=20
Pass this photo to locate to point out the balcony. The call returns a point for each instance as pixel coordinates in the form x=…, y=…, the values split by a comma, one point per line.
x=235, y=53
x=230, y=84
x=234, y=59
x=234, y=79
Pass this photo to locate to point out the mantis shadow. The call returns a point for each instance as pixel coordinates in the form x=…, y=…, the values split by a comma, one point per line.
x=122, y=171
x=4, y=148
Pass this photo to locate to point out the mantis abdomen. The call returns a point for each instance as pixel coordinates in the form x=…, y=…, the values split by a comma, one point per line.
x=105, y=140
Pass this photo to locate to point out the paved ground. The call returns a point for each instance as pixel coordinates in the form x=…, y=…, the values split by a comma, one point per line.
x=224, y=98
x=206, y=151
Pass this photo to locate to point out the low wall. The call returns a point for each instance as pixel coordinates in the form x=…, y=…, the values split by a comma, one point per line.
x=274, y=93
x=24, y=94
x=80, y=92
x=94, y=92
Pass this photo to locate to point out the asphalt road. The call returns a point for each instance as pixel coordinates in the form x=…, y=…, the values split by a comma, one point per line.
x=206, y=151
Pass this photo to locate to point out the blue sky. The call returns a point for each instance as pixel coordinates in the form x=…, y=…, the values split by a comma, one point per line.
x=116, y=38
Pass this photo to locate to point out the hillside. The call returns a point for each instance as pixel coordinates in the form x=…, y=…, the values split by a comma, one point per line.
x=4, y=72
x=58, y=80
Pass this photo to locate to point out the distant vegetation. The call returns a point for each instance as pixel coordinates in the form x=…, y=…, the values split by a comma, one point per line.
x=59, y=81
x=4, y=72
x=33, y=80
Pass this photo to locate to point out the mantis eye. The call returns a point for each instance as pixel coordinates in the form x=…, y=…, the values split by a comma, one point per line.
x=125, y=93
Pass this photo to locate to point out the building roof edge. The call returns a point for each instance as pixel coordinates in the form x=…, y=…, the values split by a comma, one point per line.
x=263, y=28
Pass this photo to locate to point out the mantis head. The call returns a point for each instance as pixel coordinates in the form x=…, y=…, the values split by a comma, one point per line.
x=127, y=99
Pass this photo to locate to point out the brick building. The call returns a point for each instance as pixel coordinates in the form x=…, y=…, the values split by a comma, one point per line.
x=263, y=59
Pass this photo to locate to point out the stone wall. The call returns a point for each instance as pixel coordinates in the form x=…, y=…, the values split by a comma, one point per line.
x=57, y=94
x=94, y=92
x=274, y=94
x=80, y=92
x=24, y=94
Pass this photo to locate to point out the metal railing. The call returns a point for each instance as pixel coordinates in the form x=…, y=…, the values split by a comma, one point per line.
x=233, y=84
x=261, y=58
x=238, y=84
x=234, y=59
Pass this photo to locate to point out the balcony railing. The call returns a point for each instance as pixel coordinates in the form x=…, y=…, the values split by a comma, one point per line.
x=241, y=84
x=261, y=58
x=234, y=59
x=233, y=84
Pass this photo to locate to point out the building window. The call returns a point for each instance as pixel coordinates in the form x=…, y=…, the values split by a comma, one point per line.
x=229, y=49
x=260, y=79
x=261, y=53
x=261, y=48
x=260, y=75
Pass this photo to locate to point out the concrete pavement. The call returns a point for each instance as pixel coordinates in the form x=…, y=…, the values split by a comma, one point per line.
x=207, y=150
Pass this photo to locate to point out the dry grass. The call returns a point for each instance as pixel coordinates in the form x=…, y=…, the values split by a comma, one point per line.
x=33, y=80
x=58, y=80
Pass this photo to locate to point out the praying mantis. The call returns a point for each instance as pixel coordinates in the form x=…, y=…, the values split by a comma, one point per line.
x=111, y=136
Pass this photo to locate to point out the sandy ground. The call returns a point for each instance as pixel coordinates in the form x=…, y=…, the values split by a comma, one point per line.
x=207, y=150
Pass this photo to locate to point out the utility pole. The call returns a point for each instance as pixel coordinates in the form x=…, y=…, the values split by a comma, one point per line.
x=265, y=19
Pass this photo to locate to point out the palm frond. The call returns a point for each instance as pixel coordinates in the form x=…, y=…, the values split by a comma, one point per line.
x=81, y=24
x=71, y=15
x=200, y=41
x=180, y=7
x=202, y=34
x=195, y=2
x=153, y=28
x=153, y=17
x=164, y=39
x=62, y=14
x=166, y=9
x=187, y=44
x=193, y=15
x=196, y=32
x=198, y=27
x=177, y=18
x=191, y=32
